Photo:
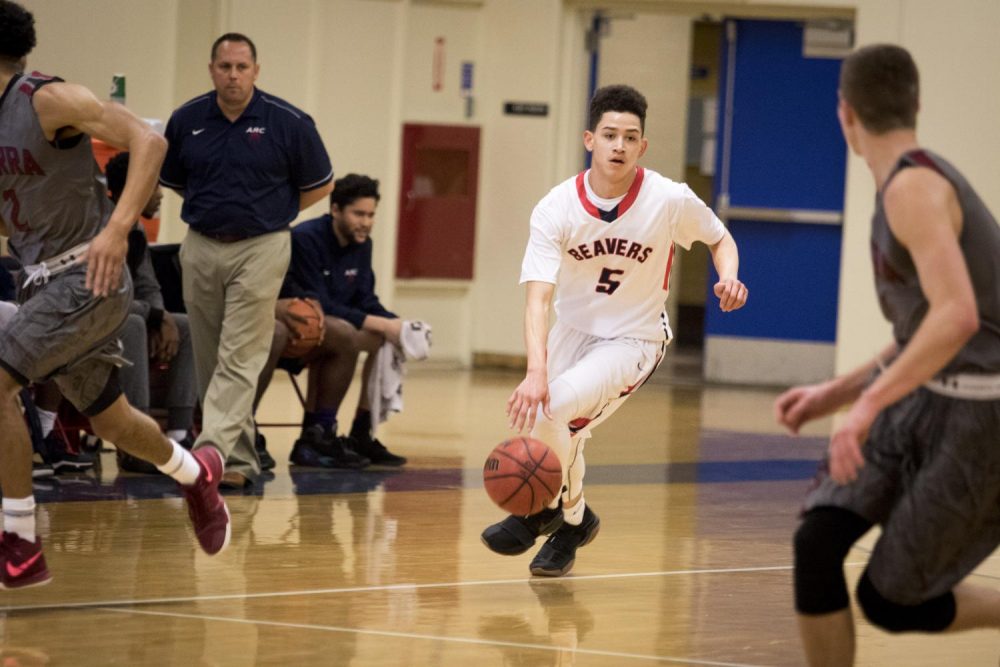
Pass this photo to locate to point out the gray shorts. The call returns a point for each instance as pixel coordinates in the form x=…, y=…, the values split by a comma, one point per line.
x=62, y=332
x=932, y=480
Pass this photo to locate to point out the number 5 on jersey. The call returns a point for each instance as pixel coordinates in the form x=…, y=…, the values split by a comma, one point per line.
x=607, y=284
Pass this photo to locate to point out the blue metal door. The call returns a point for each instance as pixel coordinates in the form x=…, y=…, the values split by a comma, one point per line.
x=780, y=187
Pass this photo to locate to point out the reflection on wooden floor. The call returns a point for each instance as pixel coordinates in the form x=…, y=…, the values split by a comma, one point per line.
x=697, y=493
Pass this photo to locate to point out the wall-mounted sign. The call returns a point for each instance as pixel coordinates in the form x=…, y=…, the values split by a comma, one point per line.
x=466, y=83
x=526, y=108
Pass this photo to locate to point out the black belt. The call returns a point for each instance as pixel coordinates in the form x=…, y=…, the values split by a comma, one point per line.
x=226, y=238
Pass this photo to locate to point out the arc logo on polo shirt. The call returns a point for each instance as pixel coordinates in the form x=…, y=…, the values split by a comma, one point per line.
x=256, y=130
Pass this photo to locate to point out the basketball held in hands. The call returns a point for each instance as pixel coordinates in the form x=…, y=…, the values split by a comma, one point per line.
x=305, y=328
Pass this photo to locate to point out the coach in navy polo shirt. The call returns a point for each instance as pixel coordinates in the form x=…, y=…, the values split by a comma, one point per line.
x=245, y=163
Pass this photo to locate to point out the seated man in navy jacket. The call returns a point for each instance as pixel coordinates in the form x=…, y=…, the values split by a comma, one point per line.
x=332, y=264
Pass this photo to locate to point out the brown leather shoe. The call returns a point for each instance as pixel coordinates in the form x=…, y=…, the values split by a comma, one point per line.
x=234, y=480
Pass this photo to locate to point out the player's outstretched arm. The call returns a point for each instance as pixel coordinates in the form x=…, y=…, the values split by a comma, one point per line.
x=522, y=406
x=65, y=109
x=732, y=294
x=924, y=216
x=804, y=403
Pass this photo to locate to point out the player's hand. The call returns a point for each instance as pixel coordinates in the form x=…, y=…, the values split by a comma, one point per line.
x=804, y=403
x=394, y=330
x=291, y=319
x=845, y=445
x=522, y=406
x=322, y=318
x=105, y=261
x=732, y=294
x=167, y=340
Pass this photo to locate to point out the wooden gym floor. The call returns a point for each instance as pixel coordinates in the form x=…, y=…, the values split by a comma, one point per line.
x=696, y=489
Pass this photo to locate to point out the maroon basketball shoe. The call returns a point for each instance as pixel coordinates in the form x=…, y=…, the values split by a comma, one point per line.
x=208, y=511
x=23, y=562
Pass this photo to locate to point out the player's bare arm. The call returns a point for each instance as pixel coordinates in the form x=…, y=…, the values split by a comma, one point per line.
x=310, y=197
x=804, y=403
x=387, y=327
x=65, y=109
x=732, y=294
x=923, y=214
x=522, y=406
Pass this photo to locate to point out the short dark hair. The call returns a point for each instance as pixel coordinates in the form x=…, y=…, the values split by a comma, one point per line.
x=234, y=37
x=624, y=99
x=352, y=187
x=881, y=83
x=115, y=171
x=17, y=31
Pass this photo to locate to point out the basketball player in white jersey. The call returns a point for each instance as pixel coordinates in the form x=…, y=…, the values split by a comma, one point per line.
x=602, y=243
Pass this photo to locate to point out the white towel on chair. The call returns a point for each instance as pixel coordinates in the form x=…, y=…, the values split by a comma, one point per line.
x=415, y=339
x=385, y=382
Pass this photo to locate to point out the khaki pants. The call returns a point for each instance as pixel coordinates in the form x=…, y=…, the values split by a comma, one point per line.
x=230, y=290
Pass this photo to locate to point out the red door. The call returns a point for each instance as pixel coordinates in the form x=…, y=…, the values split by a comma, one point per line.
x=437, y=201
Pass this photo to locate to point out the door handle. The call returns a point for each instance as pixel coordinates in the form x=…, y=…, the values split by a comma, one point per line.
x=800, y=215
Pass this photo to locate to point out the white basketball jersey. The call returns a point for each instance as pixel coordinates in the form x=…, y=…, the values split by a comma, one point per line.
x=611, y=268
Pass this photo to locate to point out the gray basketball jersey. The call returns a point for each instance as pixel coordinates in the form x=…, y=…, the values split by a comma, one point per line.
x=50, y=195
x=902, y=301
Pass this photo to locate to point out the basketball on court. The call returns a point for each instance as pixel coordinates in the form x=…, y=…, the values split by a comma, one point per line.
x=522, y=475
x=306, y=334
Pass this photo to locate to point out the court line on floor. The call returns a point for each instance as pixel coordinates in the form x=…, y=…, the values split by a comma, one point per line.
x=398, y=587
x=414, y=635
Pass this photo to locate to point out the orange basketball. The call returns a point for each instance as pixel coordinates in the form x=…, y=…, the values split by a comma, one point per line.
x=522, y=475
x=303, y=336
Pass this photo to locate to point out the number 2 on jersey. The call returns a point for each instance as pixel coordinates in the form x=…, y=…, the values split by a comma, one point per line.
x=15, y=209
x=607, y=284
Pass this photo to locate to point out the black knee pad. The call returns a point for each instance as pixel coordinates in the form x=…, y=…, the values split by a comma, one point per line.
x=934, y=615
x=821, y=544
x=112, y=390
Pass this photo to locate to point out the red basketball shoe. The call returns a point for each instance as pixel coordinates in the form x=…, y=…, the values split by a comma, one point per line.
x=22, y=563
x=208, y=511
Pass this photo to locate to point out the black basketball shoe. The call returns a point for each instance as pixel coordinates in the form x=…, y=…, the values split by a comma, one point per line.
x=267, y=461
x=372, y=449
x=324, y=450
x=557, y=555
x=516, y=534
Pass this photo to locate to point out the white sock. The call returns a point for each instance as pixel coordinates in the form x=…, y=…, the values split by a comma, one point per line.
x=48, y=420
x=574, y=515
x=19, y=517
x=177, y=434
x=182, y=466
